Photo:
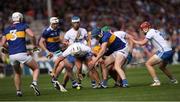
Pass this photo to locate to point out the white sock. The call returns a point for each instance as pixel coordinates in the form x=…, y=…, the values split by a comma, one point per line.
x=156, y=79
x=18, y=91
x=34, y=82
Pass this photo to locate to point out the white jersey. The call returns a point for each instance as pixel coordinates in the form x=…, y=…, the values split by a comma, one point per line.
x=157, y=40
x=121, y=35
x=77, y=50
x=76, y=36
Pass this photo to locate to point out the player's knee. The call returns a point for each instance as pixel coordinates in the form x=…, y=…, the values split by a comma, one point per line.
x=61, y=65
x=117, y=68
x=17, y=70
x=147, y=64
x=35, y=67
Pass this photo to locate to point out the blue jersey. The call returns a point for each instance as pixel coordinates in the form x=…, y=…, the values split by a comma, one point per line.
x=114, y=43
x=52, y=39
x=15, y=36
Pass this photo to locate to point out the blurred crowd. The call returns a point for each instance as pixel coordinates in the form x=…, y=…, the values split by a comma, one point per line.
x=119, y=14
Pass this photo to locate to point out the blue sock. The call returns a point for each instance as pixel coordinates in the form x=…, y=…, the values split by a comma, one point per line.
x=74, y=82
x=104, y=82
x=93, y=82
x=124, y=81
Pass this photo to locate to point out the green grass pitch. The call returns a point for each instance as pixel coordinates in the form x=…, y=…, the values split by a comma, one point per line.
x=139, y=89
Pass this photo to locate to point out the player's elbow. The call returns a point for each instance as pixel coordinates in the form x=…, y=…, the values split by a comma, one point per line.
x=30, y=33
x=40, y=43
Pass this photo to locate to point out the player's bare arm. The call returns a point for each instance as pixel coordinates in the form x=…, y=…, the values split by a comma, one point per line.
x=32, y=35
x=100, y=54
x=42, y=44
x=143, y=42
x=130, y=42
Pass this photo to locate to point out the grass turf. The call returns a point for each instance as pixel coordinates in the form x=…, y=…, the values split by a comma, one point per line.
x=139, y=89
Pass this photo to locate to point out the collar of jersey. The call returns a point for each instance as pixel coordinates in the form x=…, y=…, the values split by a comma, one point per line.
x=51, y=28
x=15, y=22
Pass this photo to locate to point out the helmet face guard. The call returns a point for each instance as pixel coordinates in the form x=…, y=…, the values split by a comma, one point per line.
x=54, y=22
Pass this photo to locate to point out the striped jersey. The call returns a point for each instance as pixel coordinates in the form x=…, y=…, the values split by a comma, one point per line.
x=114, y=43
x=15, y=36
x=52, y=39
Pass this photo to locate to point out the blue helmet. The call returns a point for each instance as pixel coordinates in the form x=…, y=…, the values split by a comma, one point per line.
x=75, y=19
x=95, y=31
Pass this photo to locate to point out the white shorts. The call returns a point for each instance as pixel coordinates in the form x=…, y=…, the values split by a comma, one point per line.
x=123, y=51
x=20, y=57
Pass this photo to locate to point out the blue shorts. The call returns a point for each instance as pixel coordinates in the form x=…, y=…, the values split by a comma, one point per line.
x=71, y=59
x=165, y=56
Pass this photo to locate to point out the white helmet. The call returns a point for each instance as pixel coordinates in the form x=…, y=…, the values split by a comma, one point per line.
x=17, y=17
x=54, y=20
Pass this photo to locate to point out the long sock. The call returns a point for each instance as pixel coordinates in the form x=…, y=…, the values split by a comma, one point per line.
x=156, y=79
x=18, y=91
x=124, y=81
x=93, y=82
x=104, y=82
x=34, y=82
